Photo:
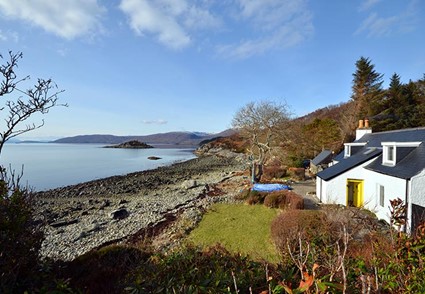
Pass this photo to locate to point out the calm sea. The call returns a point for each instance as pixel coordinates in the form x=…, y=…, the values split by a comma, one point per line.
x=49, y=165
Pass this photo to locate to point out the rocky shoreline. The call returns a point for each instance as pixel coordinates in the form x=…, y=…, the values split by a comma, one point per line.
x=128, y=208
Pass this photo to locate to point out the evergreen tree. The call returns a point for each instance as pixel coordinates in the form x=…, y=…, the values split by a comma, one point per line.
x=388, y=118
x=408, y=109
x=420, y=100
x=367, y=91
x=394, y=91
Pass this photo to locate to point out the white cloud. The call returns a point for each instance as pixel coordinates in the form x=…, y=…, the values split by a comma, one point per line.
x=68, y=19
x=271, y=12
x=198, y=19
x=368, y=4
x=177, y=24
x=155, y=122
x=275, y=24
x=2, y=36
x=376, y=25
x=9, y=36
x=156, y=18
x=171, y=21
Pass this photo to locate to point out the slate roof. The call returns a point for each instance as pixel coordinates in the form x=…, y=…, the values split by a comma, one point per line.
x=323, y=157
x=339, y=157
x=410, y=160
x=412, y=163
x=349, y=163
x=405, y=135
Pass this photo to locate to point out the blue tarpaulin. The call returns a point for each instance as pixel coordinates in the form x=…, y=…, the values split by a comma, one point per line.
x=270, y=187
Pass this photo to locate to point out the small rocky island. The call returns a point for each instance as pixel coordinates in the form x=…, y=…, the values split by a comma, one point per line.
x=134, y=144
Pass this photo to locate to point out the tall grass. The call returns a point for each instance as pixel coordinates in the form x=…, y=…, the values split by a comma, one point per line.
x=240, y=228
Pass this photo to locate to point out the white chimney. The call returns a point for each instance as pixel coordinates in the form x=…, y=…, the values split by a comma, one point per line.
x=363, y=129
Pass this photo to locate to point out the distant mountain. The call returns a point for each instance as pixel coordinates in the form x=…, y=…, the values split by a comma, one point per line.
x=171, y=138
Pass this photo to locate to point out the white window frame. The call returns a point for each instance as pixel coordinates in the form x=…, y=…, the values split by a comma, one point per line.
x=347, y=147
x=347, y=150
x=389, y=154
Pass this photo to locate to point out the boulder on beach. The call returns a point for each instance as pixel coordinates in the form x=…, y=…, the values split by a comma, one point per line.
x=119, y=214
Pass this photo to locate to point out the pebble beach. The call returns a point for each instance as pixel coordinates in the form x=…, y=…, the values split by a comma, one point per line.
x=120, y=209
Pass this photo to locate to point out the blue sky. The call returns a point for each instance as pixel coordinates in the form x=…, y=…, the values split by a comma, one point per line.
x=134, y=67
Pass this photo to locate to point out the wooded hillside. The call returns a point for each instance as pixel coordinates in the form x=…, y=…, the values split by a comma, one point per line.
x=401, y=105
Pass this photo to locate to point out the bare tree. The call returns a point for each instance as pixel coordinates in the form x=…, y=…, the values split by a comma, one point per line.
x=260, y=122
x=21, y=104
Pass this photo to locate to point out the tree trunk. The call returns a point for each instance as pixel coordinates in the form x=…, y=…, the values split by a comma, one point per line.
x=256, y=172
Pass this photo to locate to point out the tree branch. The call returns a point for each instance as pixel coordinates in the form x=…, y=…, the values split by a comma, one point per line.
x=37, y=99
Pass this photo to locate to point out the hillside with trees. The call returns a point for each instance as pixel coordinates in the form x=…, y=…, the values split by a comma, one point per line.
x=401, y=105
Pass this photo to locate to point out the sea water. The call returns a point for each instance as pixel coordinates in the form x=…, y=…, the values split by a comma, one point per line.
x=49, y=165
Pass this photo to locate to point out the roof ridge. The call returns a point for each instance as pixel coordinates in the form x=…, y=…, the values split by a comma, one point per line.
x=398, y=131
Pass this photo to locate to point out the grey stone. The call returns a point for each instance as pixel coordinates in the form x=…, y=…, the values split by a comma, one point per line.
x=62, y=223
x=120, y=213
x=188, y=184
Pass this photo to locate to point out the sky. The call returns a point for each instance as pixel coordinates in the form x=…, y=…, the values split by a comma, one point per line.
x=137, y=67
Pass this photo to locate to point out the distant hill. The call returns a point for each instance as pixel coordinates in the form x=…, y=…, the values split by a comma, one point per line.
x=171, y=138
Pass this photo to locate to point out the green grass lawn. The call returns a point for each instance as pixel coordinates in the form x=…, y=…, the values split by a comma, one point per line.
x=240, y=228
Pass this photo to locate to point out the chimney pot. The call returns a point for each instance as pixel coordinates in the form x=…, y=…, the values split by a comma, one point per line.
x=366, y=123
x=360, y=124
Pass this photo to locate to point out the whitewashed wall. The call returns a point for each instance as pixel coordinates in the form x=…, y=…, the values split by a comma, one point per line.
x=417, y=195
x=334, y=191
x=418, y=189
x=393, y=188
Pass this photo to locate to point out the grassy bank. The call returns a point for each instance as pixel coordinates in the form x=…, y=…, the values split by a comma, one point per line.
x=240, y=228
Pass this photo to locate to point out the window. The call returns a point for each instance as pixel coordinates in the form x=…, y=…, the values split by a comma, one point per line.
x=350, y=151
x=347, y=150
x=381, y=195
x=389, y=155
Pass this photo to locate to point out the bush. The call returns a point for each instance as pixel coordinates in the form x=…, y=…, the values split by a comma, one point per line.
x=213, y=270
x=284, y=199
x=273, y=172
x=20, y=238
x=274, y=200
x=310, y=225
x=105, y=270
x=255, y=198
x=251, y=197
x=243, y=194
x=298, y=174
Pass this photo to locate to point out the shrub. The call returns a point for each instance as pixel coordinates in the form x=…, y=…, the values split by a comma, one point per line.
x=213, y=270
x=105, y=270
x=254, y=197
x=294, y=201
x=289, y=226
x=274, y=199
x=273, y=172
x=297, y=174
x=284, y=199
x=20, y=237
x=243, y=194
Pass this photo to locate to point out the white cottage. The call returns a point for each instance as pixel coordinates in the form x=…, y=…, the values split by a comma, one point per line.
x=376, y=168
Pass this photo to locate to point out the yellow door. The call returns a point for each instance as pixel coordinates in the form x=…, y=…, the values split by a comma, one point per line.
x=355, y=193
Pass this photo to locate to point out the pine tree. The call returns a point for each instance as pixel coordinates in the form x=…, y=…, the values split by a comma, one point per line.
x=389, y=118
x=367, y=91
